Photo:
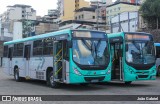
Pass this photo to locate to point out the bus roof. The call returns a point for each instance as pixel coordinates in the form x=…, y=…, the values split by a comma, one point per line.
x=46, y=35
x=123, y=33
x=38, y=37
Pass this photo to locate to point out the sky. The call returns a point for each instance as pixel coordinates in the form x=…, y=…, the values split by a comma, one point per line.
x=41, y=6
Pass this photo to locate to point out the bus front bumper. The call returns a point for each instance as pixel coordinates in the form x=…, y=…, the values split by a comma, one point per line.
x=135, y=77
x=75, y=79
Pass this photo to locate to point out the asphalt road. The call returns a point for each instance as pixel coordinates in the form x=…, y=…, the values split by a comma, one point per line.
x=8, y=86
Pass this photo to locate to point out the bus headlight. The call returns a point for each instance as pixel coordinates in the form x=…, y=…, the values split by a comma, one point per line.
x=77, y=72
x=131, y=71
x=153, y=71
x=109, y=71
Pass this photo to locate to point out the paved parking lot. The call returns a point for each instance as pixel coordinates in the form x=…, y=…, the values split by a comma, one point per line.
x=9, y=87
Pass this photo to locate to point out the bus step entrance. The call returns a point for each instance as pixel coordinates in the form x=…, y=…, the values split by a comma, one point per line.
x=116, y=74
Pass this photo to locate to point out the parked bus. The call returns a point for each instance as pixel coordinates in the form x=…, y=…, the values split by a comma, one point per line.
x=157, y=46
x=133, y=56
x=67, y=56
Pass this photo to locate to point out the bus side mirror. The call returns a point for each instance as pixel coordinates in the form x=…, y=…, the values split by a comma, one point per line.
x=69, y=44
x=126, y=47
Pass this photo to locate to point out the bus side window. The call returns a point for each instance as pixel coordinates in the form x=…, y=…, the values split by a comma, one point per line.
x=5, y=51
x=10, y=53
x=157, y=52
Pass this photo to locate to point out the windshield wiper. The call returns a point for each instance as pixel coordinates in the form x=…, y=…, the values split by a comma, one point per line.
x=97, y=47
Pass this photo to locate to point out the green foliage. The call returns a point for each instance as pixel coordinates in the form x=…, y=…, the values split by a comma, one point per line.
x=150, y=10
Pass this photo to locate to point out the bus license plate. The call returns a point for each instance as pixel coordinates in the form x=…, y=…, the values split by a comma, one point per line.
x=94, y=80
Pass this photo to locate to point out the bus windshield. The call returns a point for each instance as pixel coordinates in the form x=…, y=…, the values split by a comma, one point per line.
x=140, y=51
x=90, y=51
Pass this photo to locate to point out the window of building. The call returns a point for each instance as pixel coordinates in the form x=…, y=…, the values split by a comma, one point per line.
x=76, y=0
x=119, y=8
x=76, y=18
x=5, y=51
x=107, y=12
x=48, y=46
x=82, y=16
x=93, y=17
x=22, y=15
x=38, y=47
x=79, y=17
x=18, y=50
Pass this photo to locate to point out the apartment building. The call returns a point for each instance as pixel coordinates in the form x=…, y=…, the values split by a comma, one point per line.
x=119, y=7
x=66, y=8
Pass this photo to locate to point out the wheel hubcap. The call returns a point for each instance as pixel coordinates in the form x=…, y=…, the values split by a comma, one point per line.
x=51, y=80
x=16, y=75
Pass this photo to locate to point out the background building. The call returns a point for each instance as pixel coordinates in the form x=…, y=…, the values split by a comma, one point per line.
x=53, y=12
x=120, y=7
x=86, y=14
x=21, y=11
x=127, y=22
x=10, y=17
x=66, y=8
x=80, y=24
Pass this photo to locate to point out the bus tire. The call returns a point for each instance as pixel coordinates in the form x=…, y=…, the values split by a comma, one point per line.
x=16, y=75
x=128, y=82
x=51, y=82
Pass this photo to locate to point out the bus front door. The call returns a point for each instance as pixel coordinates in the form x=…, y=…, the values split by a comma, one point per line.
x=10, y=55
x=27, y=60
x=59, y=63
x=117, y=64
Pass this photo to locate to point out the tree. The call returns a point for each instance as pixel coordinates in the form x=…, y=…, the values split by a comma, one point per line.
x=150, y=10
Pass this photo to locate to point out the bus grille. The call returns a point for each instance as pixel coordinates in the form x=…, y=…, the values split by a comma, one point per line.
x=142, y=76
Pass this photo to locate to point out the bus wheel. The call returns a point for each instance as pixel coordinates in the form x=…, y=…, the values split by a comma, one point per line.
x=16, y=75
x=128, y=82
x=51, y=81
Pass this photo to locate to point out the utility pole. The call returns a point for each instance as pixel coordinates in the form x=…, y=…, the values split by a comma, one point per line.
x=136, y=15
x=97, y=14
x=28, y=31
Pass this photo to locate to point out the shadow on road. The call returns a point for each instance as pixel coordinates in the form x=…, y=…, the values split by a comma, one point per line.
x=69, y=87
x=122, y=84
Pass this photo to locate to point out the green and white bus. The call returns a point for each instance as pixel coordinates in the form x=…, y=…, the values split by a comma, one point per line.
x=133, y=56
x=67, y=56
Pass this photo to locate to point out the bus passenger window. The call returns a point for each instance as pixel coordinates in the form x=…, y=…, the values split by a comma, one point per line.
x=38, y=47
x=5, y=51
x=18, y=50
x=48, y=47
